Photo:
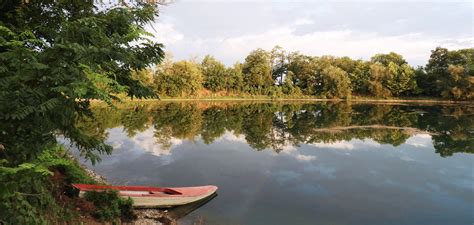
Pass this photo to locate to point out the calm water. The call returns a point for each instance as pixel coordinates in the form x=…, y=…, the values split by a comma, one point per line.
x=321, y=163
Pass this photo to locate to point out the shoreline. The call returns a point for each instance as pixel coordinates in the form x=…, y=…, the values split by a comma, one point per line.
x=355, y=100
x=143, y=216
x=322, y=100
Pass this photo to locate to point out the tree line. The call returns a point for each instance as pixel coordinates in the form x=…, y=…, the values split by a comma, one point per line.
x=448, y=74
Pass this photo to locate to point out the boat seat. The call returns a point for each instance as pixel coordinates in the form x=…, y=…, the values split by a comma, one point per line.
x=167, y=191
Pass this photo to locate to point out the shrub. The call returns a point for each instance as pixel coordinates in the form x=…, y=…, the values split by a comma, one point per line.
x=110, y=206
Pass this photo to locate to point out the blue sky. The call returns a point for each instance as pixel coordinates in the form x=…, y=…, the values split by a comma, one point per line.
x=229, y=30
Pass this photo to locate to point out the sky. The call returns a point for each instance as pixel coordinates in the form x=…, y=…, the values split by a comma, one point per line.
x=229, y=30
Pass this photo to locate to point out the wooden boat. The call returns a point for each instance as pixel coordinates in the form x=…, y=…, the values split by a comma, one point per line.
x=154, y=197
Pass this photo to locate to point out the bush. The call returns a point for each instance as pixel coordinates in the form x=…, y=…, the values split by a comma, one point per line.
x=29, y=192
x=110, y=206
x=32, y=193
x=56, y=158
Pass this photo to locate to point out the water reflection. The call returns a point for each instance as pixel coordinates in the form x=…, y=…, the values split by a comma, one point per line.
x=277, y=126
x=299, y=163
x=172, y=215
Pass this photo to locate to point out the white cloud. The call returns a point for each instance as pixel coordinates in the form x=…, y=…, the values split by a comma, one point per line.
x=288, y=149
x=414, y=46
x=230, y=136
x=146, y=141
x=348, y=145
x=293, y=152
x=345, y=145
x=305, y=157
x=303, y=21
x=229, y=30
x=165, y=33
x=419, y=140
x=117, y=144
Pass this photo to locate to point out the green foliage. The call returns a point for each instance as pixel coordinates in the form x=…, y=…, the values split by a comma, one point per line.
x=279, y=64
x=85, y=54
x=437, y=66
x=27, y=191
x=235, y=78
x=257, y=71
x=303, y=69
x=422, y=82
x=110, y=206
x=458, y=85
x=289, y=87
x=386, y=59
x=401, y=79
x=277, y=73
x=336, y=83
x=56, y=158
x=449, y=74
x=391, y=76
x=55, y=57
x=180, y=79
x=375, y=85
x=144, y=76
x=214, y=73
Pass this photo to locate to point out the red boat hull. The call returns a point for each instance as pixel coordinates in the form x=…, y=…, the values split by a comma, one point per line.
x=154, y=197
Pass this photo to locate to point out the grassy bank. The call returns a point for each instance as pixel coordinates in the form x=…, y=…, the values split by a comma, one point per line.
x=307, y=98
x=313, y=99
x=40, y=192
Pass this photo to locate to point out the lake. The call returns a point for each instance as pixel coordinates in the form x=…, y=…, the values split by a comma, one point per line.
x=298, y=162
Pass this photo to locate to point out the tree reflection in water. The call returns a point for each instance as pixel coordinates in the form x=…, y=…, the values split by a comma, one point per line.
x=276, y=125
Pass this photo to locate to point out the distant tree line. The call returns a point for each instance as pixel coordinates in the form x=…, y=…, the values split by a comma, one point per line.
x=448, y=74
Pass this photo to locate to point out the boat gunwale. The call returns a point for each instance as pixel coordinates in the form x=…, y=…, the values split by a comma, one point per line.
x=155, y=192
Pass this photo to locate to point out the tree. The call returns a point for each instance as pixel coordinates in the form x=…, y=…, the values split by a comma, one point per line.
x=386, y=59
x=378, y=73
x=144, y=76
x=445, y=76
x=55, y=57
x=235, y=78
x=335, y=83
x=214, y=74
x=257, y=71
x=182, y=78
x=436, y=68
x=356, y=70
x=397, y=76
x=422, y=81
x=82, y=54
x=400, y=79
x=289, y=87
x=360, y=77
x=279, y=65
x=303, y=69
x=459, y=85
